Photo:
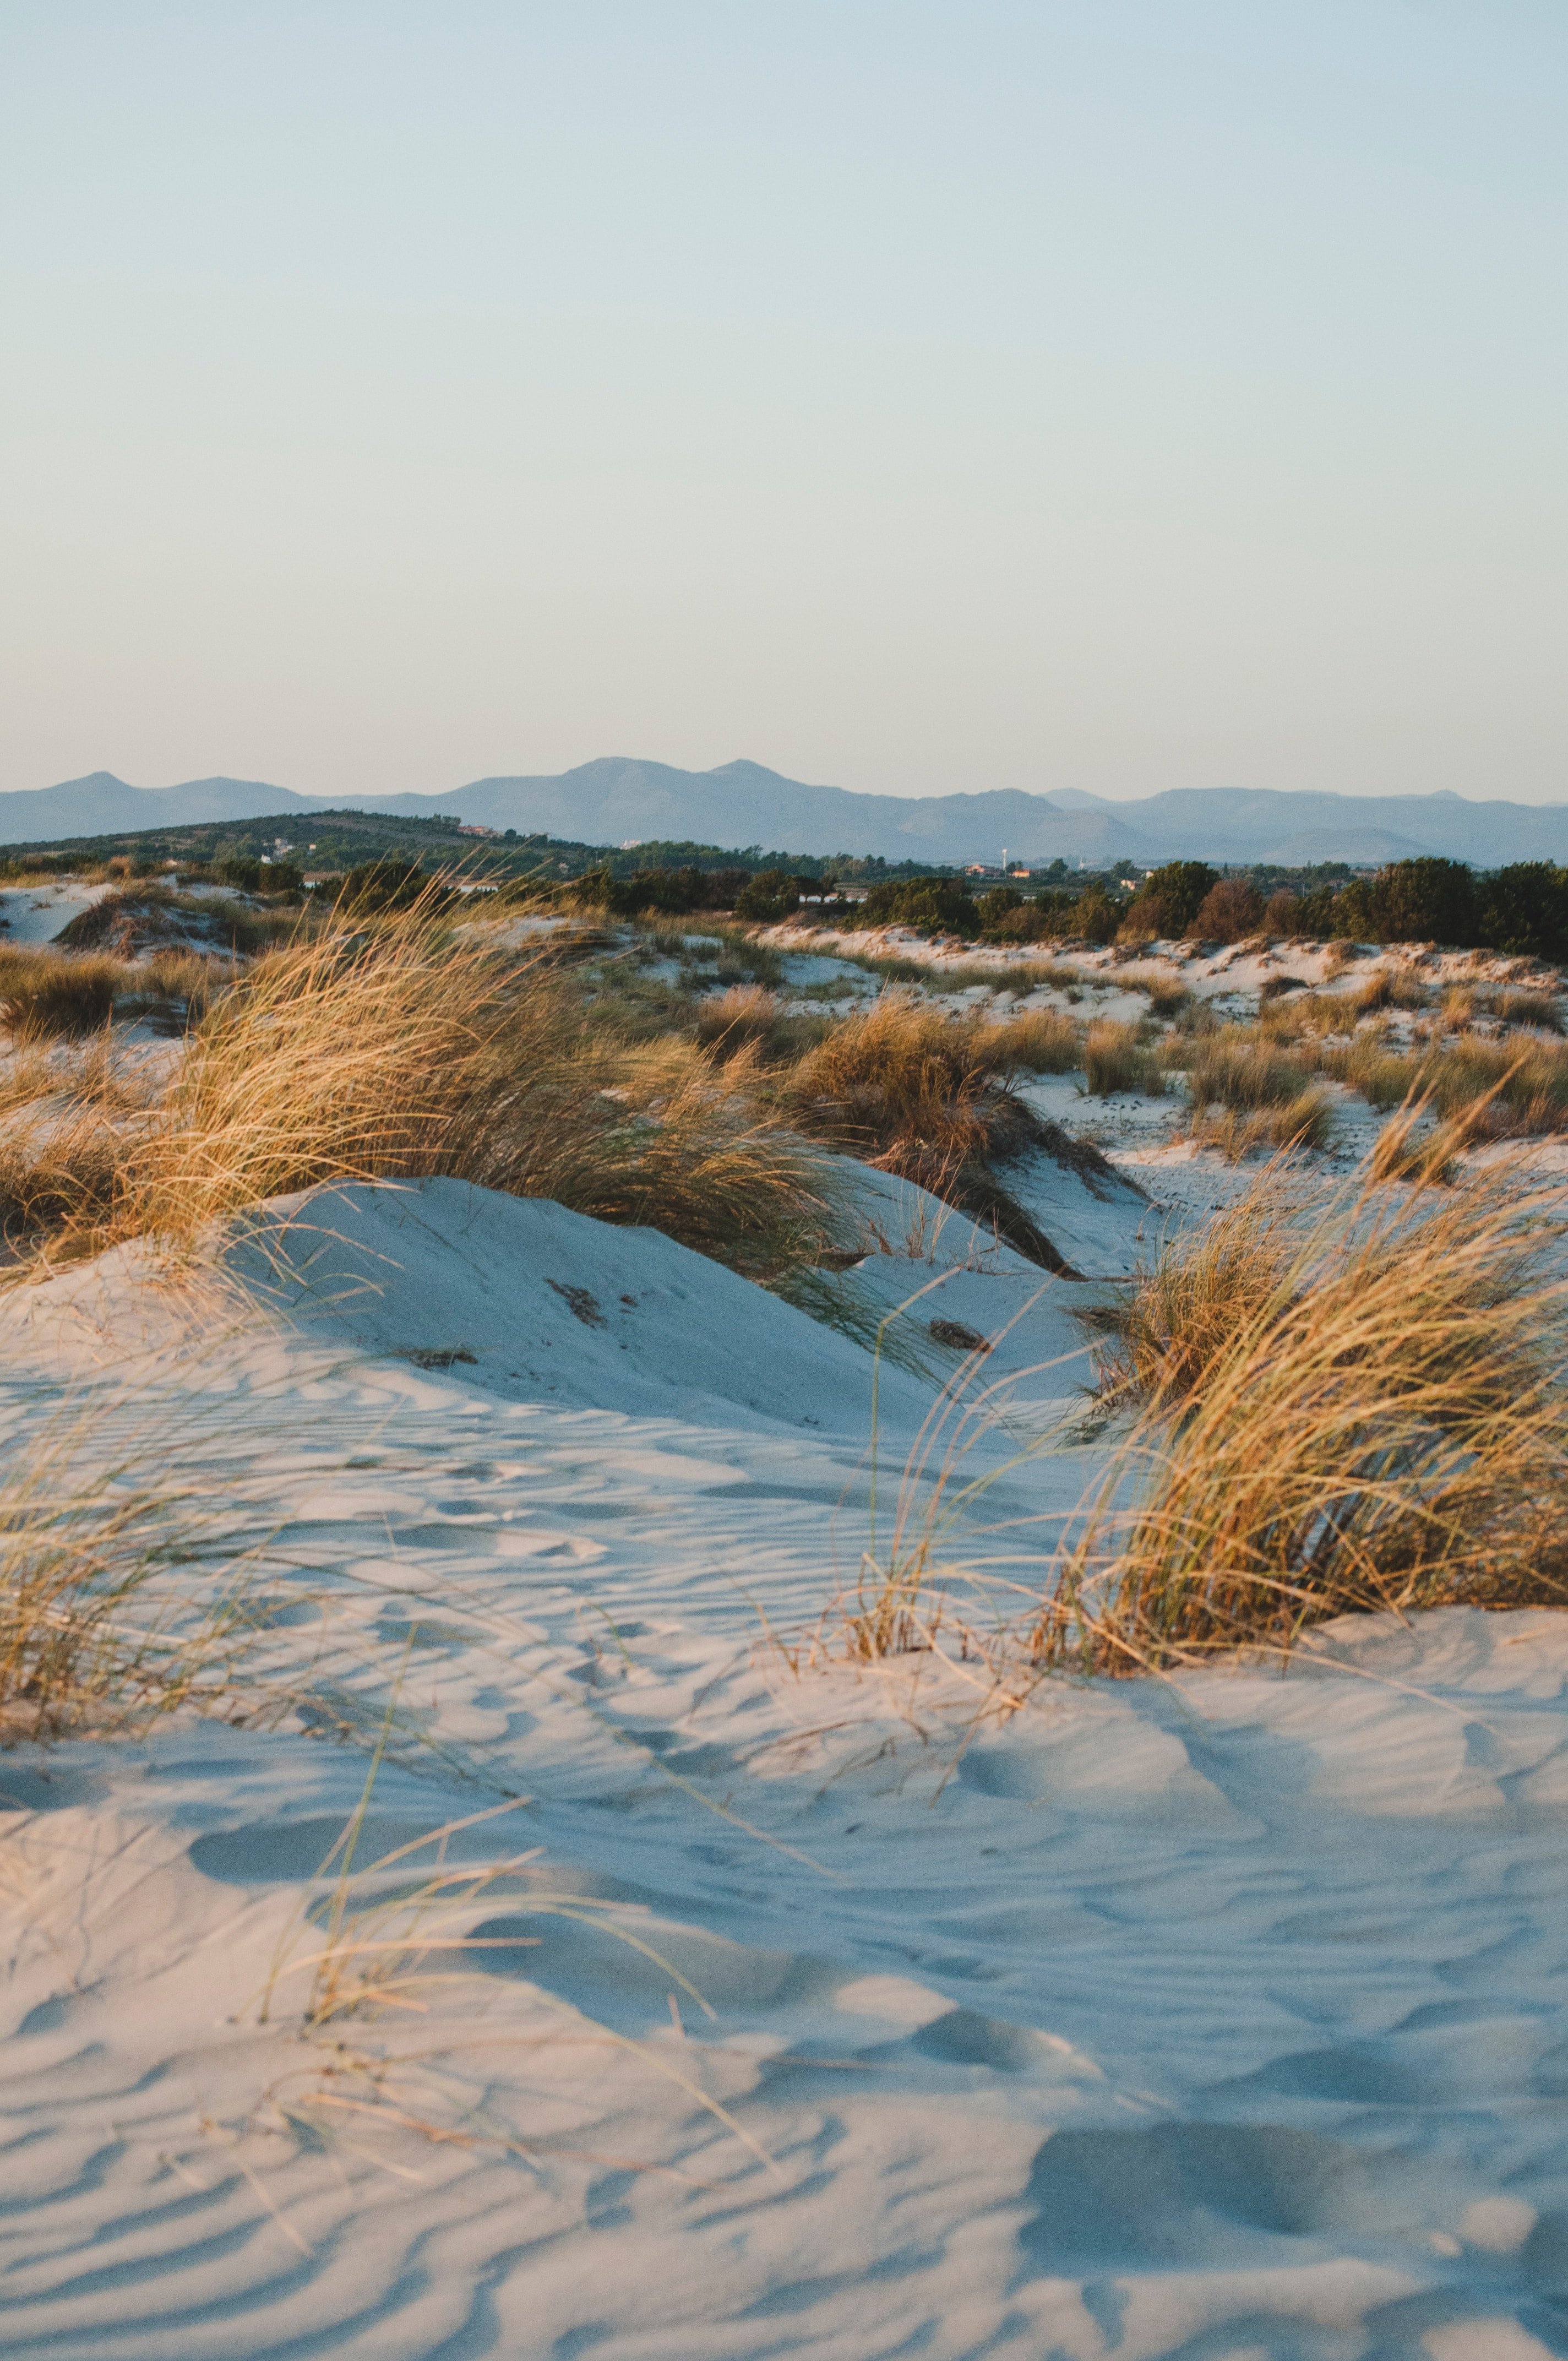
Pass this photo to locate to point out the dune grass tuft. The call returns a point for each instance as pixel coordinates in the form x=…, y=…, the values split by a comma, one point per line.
x=45, y=995
x=400, y=1050
x=927, y=1095
x=1116, y=1059
x=1157, y=1341
x=1382, y=1426
x=1236, y=1068
x=1305, y=1122
x=1042, y=1041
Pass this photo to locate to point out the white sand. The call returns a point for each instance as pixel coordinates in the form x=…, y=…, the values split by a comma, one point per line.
x=36, y=913
x=1220, y=2016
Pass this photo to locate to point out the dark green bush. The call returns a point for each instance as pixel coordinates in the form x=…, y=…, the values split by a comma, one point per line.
x=1425, y=900
x=1523, y=910
x=941, y=904
x=1169, y=899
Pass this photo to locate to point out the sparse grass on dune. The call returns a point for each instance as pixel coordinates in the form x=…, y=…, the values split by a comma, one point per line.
x=80, y=1539
x=739, y=956
x=1381, y=1425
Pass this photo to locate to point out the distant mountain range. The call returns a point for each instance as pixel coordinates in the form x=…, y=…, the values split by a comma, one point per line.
x=617, y=799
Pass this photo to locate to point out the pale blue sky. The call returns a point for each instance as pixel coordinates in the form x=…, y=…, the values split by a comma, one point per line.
x=914, y=397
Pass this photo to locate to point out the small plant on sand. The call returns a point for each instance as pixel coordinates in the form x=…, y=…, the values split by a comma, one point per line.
x=1384, y=1427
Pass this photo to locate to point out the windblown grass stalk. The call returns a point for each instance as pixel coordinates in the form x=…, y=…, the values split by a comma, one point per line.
x=1384, y=1428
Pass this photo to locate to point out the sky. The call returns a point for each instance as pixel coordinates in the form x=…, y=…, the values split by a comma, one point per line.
x=917, y=398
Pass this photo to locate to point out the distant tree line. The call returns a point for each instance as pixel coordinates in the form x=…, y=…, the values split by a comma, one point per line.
x=1522, y=909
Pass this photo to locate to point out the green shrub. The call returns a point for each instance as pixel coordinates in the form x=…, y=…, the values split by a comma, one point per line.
x=1171, y=898
x=940, y=905
x=1523, y=910
x=1425, y=900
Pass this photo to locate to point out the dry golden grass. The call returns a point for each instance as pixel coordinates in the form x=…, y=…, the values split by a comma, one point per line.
x=398, y=1052
x=650, y=1135
x=341, y=1058
x=1159, y=1339
x=1116, y=1059
x=1391, y=987
x=899, y=1070
x=1241, y=1070
x=1498, y=1089
x=914, y=1091
x=1305, y=1122
x=1384, y=1427
x=1306, y=1015
x=748, y=1015
x=1041, y=1041
x=45, y=995
x=1538, y=1011
x=59, y=1172
x=1381, y=1075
